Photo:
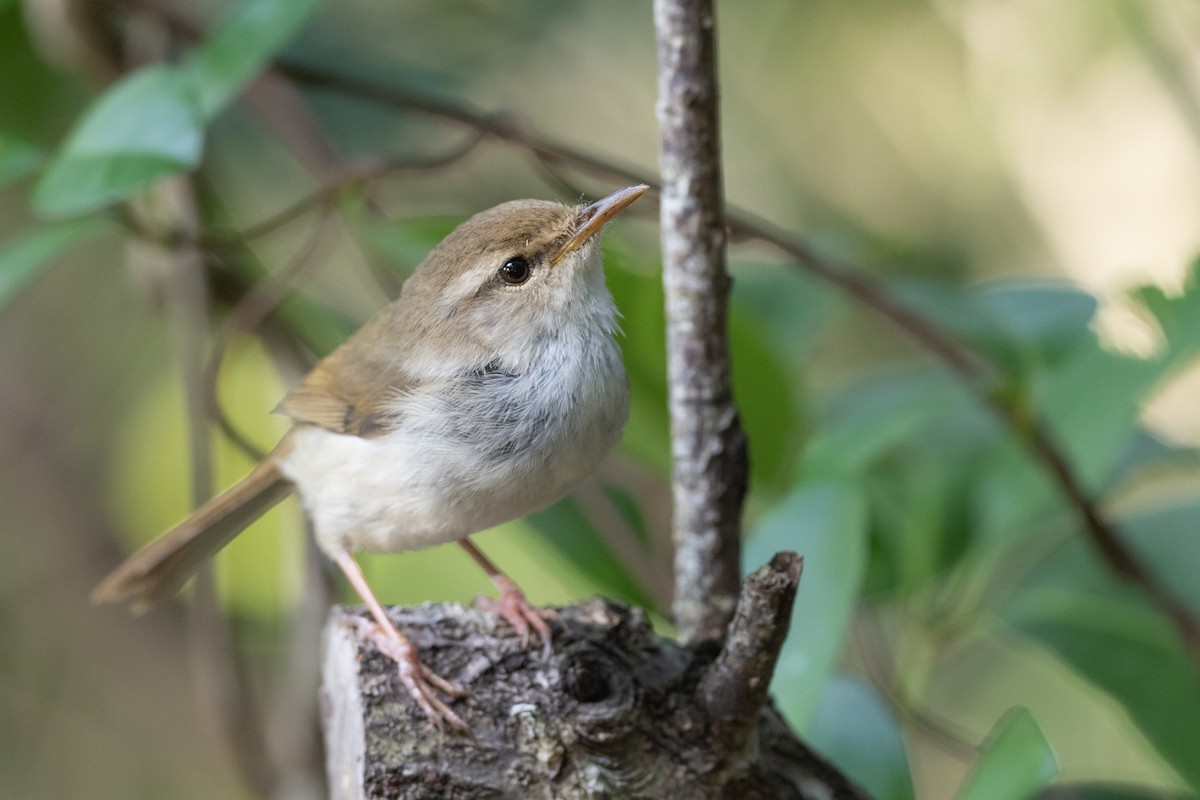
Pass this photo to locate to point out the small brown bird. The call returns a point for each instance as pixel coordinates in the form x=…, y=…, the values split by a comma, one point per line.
x=488, y=389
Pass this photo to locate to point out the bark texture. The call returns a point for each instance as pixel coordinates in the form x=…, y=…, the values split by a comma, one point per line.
x=614, y=711
x=707, y=443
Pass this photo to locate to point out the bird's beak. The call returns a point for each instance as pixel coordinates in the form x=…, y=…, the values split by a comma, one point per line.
x=594, y=217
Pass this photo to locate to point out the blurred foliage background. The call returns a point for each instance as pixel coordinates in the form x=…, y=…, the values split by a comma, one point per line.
x=1024, y=175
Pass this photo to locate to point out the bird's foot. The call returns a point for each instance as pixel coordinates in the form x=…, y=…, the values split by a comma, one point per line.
x=419, y=681
x=524, y=617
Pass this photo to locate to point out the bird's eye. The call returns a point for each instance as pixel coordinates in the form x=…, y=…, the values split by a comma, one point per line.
x=515, y=271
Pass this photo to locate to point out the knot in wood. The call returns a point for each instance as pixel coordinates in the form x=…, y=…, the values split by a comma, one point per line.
x=606, y=697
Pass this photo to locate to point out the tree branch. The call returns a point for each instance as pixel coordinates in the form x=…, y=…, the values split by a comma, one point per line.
x=735, y=686
x=708, y=446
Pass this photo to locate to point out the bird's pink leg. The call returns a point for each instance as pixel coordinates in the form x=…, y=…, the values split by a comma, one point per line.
x=512, y=604
x=418, y=679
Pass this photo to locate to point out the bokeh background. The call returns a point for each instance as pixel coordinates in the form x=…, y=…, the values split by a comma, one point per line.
x=1017, y=171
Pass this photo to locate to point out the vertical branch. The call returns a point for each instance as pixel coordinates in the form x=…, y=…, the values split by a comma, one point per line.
x=707, y=443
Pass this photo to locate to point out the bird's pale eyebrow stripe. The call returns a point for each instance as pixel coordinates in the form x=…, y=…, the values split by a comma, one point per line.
x=463, y=286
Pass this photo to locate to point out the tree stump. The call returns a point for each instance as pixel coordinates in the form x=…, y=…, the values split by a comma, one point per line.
x=614, y=711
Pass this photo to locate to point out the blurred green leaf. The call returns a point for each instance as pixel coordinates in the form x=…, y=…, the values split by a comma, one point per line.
x=1017, y=761
x=1146, y=452
x=765, y=399
x=1109, y=791
x=566, y=528
x=18, y=157
x=1178, y=316
x=854, y=729
x=1167, y=539
x=1095, y=432
x=1012, y=494
x=146, y=127
x=1051, y=316
x=639, y=297
x=1021, y=326
x=1111, y=636
x=249, y=35
x=1089, y=402
x=911, y=439
x=791, y=308
x=826, y=524
x=920, y=515
x=873, y=417
x=22, y=258
x=627, y=506
x=402, y=245
x=151, y=123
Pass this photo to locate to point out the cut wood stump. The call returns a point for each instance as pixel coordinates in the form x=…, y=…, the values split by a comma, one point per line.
x=615, y=711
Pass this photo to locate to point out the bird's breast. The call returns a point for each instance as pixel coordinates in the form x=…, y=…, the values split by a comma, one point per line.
x=467, y=453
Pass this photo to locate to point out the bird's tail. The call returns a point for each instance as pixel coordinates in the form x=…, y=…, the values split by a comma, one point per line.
x=158, y=570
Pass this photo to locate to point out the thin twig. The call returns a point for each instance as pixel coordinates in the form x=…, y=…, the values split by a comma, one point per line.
x=878, y=668
x=349, y=179
x=1120, y=559
x=322, y=197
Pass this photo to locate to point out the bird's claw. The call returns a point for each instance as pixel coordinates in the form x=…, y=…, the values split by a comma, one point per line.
x=524, y=617
x=418, y=680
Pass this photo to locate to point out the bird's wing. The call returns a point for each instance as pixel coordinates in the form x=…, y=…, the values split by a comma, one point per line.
x=347, y=393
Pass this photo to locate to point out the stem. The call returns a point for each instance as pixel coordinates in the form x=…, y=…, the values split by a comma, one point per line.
x=707, y=443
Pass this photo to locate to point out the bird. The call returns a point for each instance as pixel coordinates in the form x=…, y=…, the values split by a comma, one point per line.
x=484, y=392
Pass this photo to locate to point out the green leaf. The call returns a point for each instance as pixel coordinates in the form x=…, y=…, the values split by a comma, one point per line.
x=826, y=524
x=627, y=506
x=1017, y=761
x=1178, y=317
x=920, y=515
x=146, y=127
x=1093, y=430
x=1110, y=635
x=21, y=258
x=1048, y=315
x=912, y=439
x=765, y=402
x=1022, y=326
x=18, y=157
x=874, y=417
x=854, y=729
x=639, y=296
x=565, y=527
x=791, y=308
x=252, y=32
x=401, y=245
x=1115, y=791
x=1166, y=539
x=1146, y=454
x=151, y=124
